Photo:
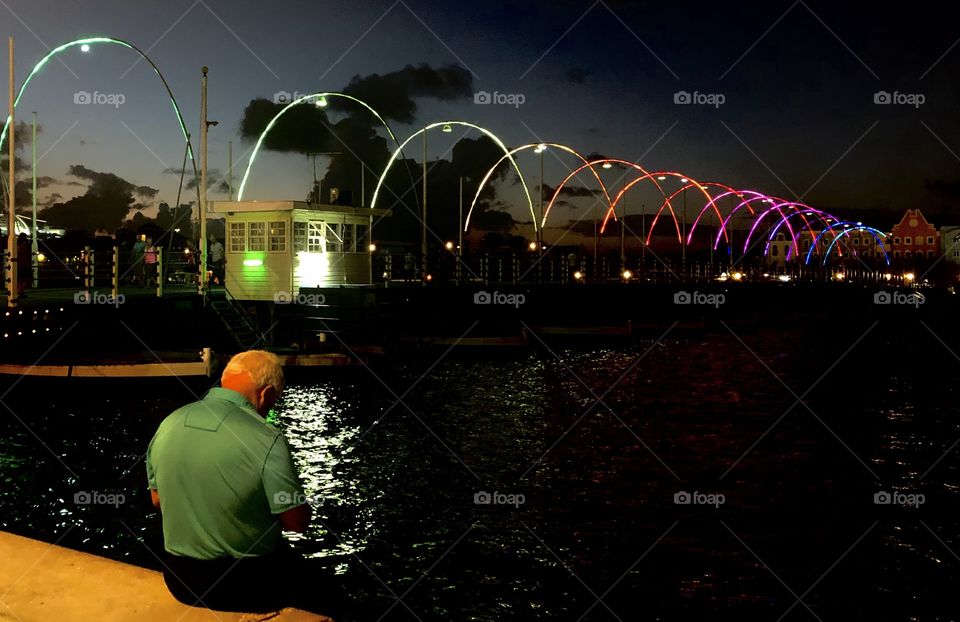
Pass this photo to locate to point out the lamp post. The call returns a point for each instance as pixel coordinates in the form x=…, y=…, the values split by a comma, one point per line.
x=35, y=266
x=423, y=229
x=538, y=226
x=683, y=237
x=12, y=215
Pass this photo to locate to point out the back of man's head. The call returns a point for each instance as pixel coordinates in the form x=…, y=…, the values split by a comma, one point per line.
x=257, y=375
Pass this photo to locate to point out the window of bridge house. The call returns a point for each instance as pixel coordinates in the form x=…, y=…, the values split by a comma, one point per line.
x=278, y=236
x=257, y=236
x=238, y=237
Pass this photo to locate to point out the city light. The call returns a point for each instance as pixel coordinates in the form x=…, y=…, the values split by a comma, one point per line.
x=448, y=246
x=321, y=102
x=909, y=277
x=737, y=276
x=85, y=47
x=532, y=246
x=627, y=275
x=578, y=276
x=372, y=248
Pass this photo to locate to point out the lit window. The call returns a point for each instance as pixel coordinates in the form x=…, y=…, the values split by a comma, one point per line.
x=299, y=236
x=334, y=241
x=278, y=236
x=347, y=231
x=238, y=237
x=919, y=240
x=315, y=240
x=257, y=238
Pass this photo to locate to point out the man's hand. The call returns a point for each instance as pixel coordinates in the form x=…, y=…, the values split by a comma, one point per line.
x=295, y=519
x=155, y=498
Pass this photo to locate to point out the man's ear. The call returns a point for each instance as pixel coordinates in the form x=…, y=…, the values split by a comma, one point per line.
x=269, y=395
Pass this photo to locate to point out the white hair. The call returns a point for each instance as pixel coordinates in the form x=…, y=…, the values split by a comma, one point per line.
x=263, y=368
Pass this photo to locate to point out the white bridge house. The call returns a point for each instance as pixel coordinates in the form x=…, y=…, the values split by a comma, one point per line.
x=276, y=247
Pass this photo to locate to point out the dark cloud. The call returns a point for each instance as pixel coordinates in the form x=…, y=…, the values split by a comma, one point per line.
x=106, y=180
x=393, y=94
x=572, y=191
x=105, y=204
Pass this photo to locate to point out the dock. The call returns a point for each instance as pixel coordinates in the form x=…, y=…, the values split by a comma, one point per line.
x=41, y=582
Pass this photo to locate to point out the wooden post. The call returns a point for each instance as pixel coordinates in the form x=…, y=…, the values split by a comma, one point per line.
x=159, y=271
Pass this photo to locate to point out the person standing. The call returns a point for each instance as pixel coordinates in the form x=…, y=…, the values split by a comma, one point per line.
x=216, y=260
x=136, y=260
x=226, y=487
x=150, y=264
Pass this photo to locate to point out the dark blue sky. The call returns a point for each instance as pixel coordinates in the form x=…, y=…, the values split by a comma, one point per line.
x=798, y=79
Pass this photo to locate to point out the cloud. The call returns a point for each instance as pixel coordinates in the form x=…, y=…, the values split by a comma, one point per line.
x=109, y=179
x=393, y=94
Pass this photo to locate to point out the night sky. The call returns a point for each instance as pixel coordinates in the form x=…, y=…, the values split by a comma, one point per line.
x=798, y=80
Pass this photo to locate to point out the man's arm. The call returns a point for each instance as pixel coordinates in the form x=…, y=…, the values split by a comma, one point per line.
x=296, y=519
x=155, y=498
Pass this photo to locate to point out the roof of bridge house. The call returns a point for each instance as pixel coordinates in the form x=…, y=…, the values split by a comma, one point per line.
x=231, y=207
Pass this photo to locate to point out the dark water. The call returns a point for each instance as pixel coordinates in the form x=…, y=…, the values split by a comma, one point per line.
x=598, y=441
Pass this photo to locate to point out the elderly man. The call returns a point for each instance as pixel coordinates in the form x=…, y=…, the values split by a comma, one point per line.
x=226, y=487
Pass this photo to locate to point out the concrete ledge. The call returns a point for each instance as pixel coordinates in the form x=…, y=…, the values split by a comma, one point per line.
x=40, y=582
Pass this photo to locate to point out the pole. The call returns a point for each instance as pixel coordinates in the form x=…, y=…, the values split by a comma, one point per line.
x=643, y=235
x=33, y=241
x=539, y=225
x=12, y=213
x=363, y=185
x=230, y=169
x=683, y=240
x=423, y=229
x=460, y=237
x=623, y=226
x=203, y=247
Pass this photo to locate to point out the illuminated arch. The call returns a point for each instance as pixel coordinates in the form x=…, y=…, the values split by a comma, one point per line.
x=300, y=100
x=667, y=200
x=740, y=195
x=114, y=41
x=877, y=235
x=646, y=175
x=798, y=210
x=512, y=152
x=825, y=217
x=486, y=132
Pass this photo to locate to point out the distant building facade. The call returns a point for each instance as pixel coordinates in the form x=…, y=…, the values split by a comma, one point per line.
x=915, y=238
x=950, y=243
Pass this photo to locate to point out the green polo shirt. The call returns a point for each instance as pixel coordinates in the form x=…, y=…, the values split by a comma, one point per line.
x=223, y=475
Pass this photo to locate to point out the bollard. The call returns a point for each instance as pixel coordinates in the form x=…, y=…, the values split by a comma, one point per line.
x=87, y=271
x=115, y=273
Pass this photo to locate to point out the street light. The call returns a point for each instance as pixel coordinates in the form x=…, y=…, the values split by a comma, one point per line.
x=683, y=240
x=447, y=128
x=321, y=102
x=85, y=47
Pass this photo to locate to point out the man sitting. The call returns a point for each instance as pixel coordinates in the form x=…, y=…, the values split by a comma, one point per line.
x=226, y=487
